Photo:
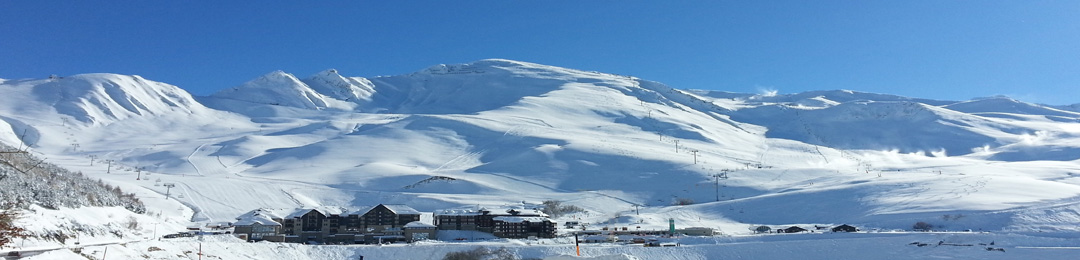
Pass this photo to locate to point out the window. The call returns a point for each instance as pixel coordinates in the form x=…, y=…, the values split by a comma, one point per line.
x=311, y=221
x=262, y=229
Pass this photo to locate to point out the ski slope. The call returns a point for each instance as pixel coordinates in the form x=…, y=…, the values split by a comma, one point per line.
x=499, y=132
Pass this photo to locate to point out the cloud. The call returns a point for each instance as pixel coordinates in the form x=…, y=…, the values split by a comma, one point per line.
x=767, y=91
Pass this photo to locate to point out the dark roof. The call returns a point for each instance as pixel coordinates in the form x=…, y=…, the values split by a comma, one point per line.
x=794, y=229
x=844, y=228
x=400, y=209
x=325, y=211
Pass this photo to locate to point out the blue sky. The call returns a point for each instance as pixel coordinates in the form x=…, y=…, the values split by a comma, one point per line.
x=955, y=50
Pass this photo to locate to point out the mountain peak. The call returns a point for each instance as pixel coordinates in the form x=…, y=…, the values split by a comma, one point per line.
x=329, y=73
x=997, y=98
x=275, y=76
x=334, y=85
x=329, y=76
x=276, y=88
x=502, y=62
x=101, y=98
x=485, y=66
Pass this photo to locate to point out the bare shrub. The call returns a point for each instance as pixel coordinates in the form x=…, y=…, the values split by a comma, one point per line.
x=555, y=208
x=481, y=253
x=132, y=223
x=922, y=226
x=8, y=230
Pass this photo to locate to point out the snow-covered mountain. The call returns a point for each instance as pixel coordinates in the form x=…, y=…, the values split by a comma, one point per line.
x=1005, y=107
x=98, y=98
x=497, y=132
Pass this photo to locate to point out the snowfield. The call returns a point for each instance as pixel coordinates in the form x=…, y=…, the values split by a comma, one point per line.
x=496, y=133
x=806, y=246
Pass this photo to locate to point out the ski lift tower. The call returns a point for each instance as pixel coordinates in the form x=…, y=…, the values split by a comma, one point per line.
x=721, y=175
x=168, y=189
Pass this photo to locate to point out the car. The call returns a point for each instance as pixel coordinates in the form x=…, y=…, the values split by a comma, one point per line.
x=172, y=236
x=14, y=253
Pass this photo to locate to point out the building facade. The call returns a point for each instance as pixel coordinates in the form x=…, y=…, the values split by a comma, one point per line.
x=505, y=223
x=523, y=227
x=382, y=223
x=258, y=225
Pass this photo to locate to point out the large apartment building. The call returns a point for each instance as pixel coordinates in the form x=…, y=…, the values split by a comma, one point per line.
x=505, y=223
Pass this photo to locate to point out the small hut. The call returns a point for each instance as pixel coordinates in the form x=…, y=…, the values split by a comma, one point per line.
x=762, y=229
x=844, y=228
x=793, y=229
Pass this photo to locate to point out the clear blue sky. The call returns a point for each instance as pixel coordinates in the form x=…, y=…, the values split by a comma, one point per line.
x=953, y=50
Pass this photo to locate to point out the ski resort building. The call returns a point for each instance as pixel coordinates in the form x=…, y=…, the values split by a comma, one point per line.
x=382, y=223
x=257, y=225
x=514, y=223
x=523, y=227
x=308, y=225
x=385, y=223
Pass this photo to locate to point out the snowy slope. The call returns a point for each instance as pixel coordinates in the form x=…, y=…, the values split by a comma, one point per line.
x=98, y=98
x=1073, y=107
x=1010, y=108
x=499, y=132
x=333, y=85
x=277, y=88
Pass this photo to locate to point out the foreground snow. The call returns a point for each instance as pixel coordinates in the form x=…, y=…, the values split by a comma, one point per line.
x=803, y=246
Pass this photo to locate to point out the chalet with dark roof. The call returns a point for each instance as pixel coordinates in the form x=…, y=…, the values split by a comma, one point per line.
x=844, y=228
x=258, y=225
x=792, y=229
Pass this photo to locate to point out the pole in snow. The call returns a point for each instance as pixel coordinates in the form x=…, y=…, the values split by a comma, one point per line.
x=577, y=244
x=717, y=185
x=721, y=175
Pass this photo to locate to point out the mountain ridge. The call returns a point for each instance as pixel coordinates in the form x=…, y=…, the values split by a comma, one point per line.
x=503, y=131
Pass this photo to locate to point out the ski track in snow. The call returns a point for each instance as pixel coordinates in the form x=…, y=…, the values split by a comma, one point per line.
x=193, y=198
x=553, y=189
x=192, y=162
